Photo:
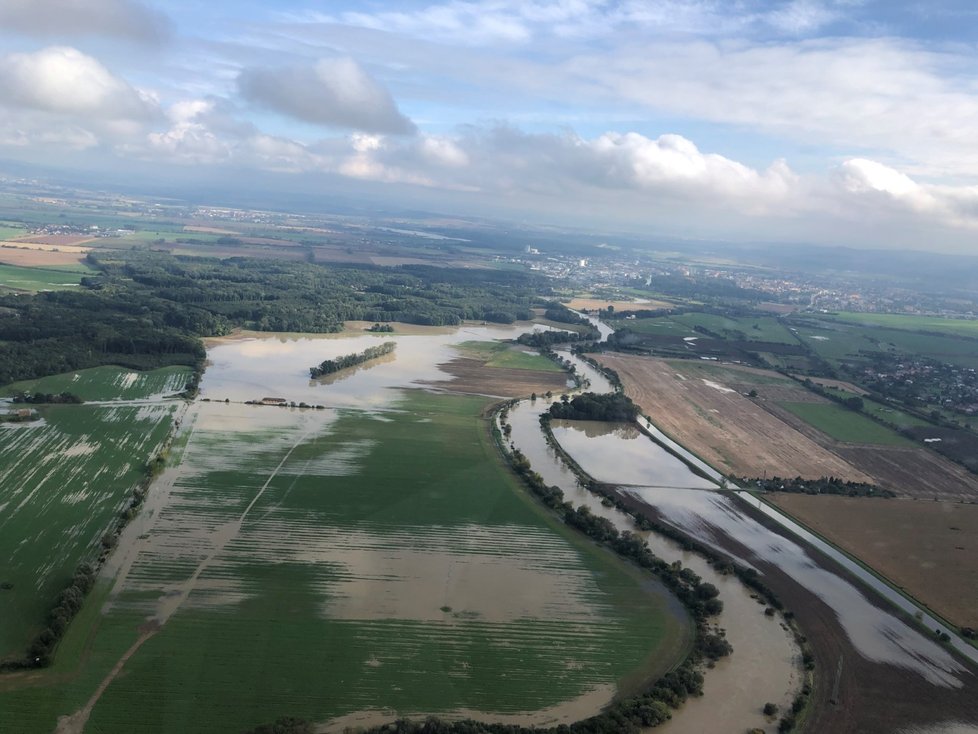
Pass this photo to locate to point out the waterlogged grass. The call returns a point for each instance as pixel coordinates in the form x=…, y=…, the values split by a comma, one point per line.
x=499, y=354
x=39, y=279
x=63, y=482
x=108, y=383
x=359, y=561
x=845, y=425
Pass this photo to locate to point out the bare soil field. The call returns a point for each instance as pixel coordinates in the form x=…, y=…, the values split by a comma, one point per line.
x=720, y=424
x=472, y=376
x=929, y=549
x=14, y=254
x=596, y=304
x=913, y=471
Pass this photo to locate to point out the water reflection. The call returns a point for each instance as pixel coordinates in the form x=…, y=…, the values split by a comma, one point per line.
x=876, y=634
x=621, y=454
x=277, y=365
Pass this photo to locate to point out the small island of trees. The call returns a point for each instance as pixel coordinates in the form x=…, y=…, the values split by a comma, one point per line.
x=329, y=366
x=590, y=406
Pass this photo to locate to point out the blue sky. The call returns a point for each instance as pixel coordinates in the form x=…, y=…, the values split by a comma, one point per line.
x=826, y=121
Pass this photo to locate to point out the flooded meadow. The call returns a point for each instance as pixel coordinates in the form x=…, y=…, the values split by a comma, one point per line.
x=374, y=555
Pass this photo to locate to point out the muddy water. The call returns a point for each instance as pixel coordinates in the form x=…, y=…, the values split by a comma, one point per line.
x=621, y=454
x=765, y=663
x=876, y=634
x=278, y=365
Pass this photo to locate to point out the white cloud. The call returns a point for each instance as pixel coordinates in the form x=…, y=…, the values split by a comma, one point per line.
x=66, y=81
x=877, y=95
x=487, y=22
x=119, y=18
x=332, y=92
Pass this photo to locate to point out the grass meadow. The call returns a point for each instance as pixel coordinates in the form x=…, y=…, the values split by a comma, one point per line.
x=845, y=425
x=32, y=280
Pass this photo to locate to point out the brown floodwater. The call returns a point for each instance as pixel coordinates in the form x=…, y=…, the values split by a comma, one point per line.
x=277, y=365
x=765, y=665
x=875, y=633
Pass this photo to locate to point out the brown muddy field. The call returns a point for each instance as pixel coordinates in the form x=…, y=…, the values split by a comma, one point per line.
x=718, y=423
x=851, y=693
x=929, y=549
x=16, y=254
x=472, y=376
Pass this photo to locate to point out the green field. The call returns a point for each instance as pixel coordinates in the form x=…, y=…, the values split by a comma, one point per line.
x=63, y=481
x=498, y=354
x=747, y=328
x=842, y=341
x=6, y=231
x=957, y=327
x=885, y=412
x=316, y=564
x=108, y=383
x=40, y=279
x=845, y=425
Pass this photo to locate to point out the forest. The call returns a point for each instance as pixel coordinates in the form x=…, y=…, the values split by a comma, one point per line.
x=147, y=309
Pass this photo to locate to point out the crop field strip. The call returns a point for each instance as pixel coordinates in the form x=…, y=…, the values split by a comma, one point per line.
x=381, y=567
x=62, y=483
x=108, y=383
x=29, y=279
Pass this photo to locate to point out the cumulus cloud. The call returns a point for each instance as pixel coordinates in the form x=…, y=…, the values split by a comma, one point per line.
x=126, y=19
x=874, y=94
x=872, y=186
x=332, y=92
x=64, y=80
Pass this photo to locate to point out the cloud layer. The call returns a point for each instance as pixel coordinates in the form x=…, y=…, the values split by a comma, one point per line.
x=331, y=92
x=125, y=19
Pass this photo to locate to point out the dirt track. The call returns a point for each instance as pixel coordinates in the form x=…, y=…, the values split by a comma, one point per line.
x=721, y=425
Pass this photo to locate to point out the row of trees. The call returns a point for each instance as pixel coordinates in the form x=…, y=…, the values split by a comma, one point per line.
x=329, y=366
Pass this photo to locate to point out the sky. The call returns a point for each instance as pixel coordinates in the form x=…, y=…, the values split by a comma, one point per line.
x=834, y=122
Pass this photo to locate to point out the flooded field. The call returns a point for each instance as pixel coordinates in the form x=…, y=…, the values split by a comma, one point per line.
x=372, y=556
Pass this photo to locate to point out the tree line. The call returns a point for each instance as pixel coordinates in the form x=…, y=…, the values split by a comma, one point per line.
x=329, y=366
